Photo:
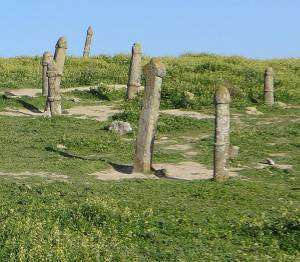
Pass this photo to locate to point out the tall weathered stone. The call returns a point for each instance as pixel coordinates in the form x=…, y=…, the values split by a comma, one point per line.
x=47, y=58
x=60, y=53
x=154, y=73
x=269, y=86
x=54, y=73
x=222, y=130
x=88, y=42
x=135, y=71
x=53, y=107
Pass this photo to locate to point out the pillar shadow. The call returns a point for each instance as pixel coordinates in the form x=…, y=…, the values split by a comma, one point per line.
x=124, y=169
x=28, y=106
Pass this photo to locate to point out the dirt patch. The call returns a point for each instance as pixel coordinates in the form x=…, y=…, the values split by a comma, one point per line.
x=279, y=166
x=191, y=114
x=47, y=175
x=19, y=112
x=181, y=171
x=179, y=147
x=34, y=92
x=99, y=113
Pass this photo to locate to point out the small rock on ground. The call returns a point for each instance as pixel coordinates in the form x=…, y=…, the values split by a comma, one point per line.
x=120, y=127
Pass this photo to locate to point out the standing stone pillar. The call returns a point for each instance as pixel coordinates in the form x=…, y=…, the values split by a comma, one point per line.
x=47, y=57
x=88, y=42
x=269, y=86
x=54, y=73
x=54, y=98
x=222, y=129
x=135, y=71
x=154, y=73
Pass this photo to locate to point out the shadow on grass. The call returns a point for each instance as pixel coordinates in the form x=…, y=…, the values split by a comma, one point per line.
x=121, y=168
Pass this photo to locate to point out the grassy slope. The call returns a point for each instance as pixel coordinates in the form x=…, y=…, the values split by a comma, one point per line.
x=198, y=74
x=254, y=218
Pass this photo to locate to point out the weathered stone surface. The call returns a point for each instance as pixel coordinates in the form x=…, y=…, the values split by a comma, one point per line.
x=47, y=58
x=233, y=151
x=54, y=72
x=120, y=127
x=222, y=129
x=154, y=72
x=53, y=106
x=251, y=110
x=135, y=72
x=189, y=96
x=60, y=53
x=269, y=86
x=269, y=161
x=88, y=42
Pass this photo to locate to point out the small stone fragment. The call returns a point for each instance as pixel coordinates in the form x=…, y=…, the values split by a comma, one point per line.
x=189, y=96
x=281, y=105
x=252, y=111
x=60, y=146
x=269, y=161
x=120, y=127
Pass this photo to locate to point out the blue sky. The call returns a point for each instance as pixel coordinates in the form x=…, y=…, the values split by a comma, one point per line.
x=252, y=28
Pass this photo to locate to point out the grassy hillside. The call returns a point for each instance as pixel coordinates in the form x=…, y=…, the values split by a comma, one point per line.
x=53, y=209
x=195, y=73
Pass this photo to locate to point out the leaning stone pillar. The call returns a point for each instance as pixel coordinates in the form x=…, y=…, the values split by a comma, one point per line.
x=222, y=129
x=269, y=86
x=60, y=53
x=135, y=71
x=54, y=73
x=47, y=57
x=154, y=73
x=88, y=42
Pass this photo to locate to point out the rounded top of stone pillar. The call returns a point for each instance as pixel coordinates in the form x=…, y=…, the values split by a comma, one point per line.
x=155, y=67
x=90, y=31
x=269, y=71
x=222, y=95
x=137, y=48
x=47, y=56
x=61, y=43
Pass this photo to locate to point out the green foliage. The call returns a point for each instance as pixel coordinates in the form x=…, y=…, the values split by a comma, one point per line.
x=198, y=74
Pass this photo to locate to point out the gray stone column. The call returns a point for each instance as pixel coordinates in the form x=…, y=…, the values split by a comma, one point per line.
x=135, y=71
x=88, y=42
x=54, y=73
x=47, y=58
x=269, y=86
x=60, y=53
x=222, y=130
x=53, y=107
x=154, y=73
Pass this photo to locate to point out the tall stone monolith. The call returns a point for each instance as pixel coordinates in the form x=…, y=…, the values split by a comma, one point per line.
x=269, y=86
x=54, y=74
x=53, y=107
x=60, y=53
x=47, y=58
x=135, y=71
x=154, y=73
x=222, y=130
x=88, y=42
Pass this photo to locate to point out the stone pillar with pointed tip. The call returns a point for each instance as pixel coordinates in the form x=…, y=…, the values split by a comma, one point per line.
x=269, y=86
x=54, y=72
x=222, y=130
x=88, y=42
x=47, y=58
x=135, y=71
x=154, y=73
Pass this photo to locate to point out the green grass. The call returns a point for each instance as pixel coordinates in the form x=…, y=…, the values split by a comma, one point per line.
x=253, y=217
x=198, y=74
